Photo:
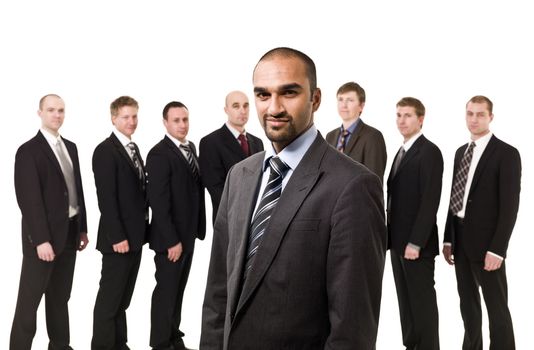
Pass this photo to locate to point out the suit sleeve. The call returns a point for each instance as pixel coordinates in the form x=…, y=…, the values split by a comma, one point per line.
x=355, y=265
x=509, y=189
x=212, y=169
x=159, y=197
x=215, y=299
x=30, y=198
x=106, y=181
x=375, y=155
x=430, y=176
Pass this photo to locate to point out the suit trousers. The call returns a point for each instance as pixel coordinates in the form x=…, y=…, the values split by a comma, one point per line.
x=166, y=311
x=470, y=276
x=414, y=281
x=117, y=283
x=54, y=280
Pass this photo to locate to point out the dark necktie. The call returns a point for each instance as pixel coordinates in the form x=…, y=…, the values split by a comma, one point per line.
x=191, y=160
x=398, y=160
x=68, y=174
x=244, y=144
x=268, y=202
x=343, y=140
x=394, y=169
x=460, y=179
x=137, y=161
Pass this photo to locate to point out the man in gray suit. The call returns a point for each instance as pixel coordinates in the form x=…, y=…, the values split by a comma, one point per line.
x=299, y=242
x=358, y=140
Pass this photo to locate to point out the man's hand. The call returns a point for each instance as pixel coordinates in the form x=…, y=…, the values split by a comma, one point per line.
x=84, y=241
x=492, y=263
x=411, y=253
x=45, y=252
x=174, y=253
x=121, y=247
x=447, y=254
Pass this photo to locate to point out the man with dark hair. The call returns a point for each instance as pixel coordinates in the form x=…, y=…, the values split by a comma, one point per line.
x=414, y=191
x=481, y=217
x=360, y=141
x=299, y=242
x=120, y=181
x=48, y=186
x=224, y=147
x=176, y=196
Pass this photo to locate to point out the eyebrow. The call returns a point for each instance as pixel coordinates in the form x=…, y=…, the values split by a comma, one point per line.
x=285, y=87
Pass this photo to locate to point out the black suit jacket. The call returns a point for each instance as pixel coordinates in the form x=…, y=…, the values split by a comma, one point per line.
x=176, y=199
x=121, y=197
x=219, y=151
x=415, y=191
x=317, y=275
x=366, y=146
x=43, y=197
x=492, y=203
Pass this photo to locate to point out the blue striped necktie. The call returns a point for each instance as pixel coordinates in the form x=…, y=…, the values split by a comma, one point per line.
x=268, y=202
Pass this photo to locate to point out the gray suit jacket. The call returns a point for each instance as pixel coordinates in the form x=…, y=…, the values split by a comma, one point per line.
x=317, y=276
x=366, y=146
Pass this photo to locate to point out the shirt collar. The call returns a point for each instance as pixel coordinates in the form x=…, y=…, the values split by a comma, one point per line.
x=176, y=141
x=408, y=144
x=352, y=126
x=292, y=154
x=52, y=139
x=234, y=131
x=483, y=141
x=123, y=139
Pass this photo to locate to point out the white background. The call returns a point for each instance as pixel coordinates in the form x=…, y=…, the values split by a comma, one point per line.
x=195, y=52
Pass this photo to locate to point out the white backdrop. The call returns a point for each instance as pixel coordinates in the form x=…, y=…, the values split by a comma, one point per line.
x=92, y=52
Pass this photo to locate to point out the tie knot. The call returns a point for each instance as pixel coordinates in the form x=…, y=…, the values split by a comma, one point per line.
x=185, y=147
x=131, y=146
x=278, y=165
x=472, y=145
x=345, y=132
x=242, y=138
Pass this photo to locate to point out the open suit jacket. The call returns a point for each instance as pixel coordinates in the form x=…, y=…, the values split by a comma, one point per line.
x=317, y=275
x=176, y=199
x=219, y=151
x=121, y=197
x=415, y=191
x=492, y=203
x=366, y=146
x=43, y=197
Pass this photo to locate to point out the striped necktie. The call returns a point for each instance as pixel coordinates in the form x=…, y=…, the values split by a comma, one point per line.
x=343, y=140
x=137, y=161
x=268, y=202
x=460, y=180
x=191, y=160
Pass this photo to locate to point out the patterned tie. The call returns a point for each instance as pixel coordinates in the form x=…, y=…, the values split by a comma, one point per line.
x=68, y=174
x=342, y=140
x=137, y=162
x=268, y=202
x=191, y=160
x=460, y=179
x=244, y=144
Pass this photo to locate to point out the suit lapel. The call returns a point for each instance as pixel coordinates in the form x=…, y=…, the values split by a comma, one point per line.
x=412, y=152
x=300, y=184
x=482, y=162
x=174, y=149
x=248, y=179
x=231, y=142
x=360, y=128
x=122, y=151
x=45, y=146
